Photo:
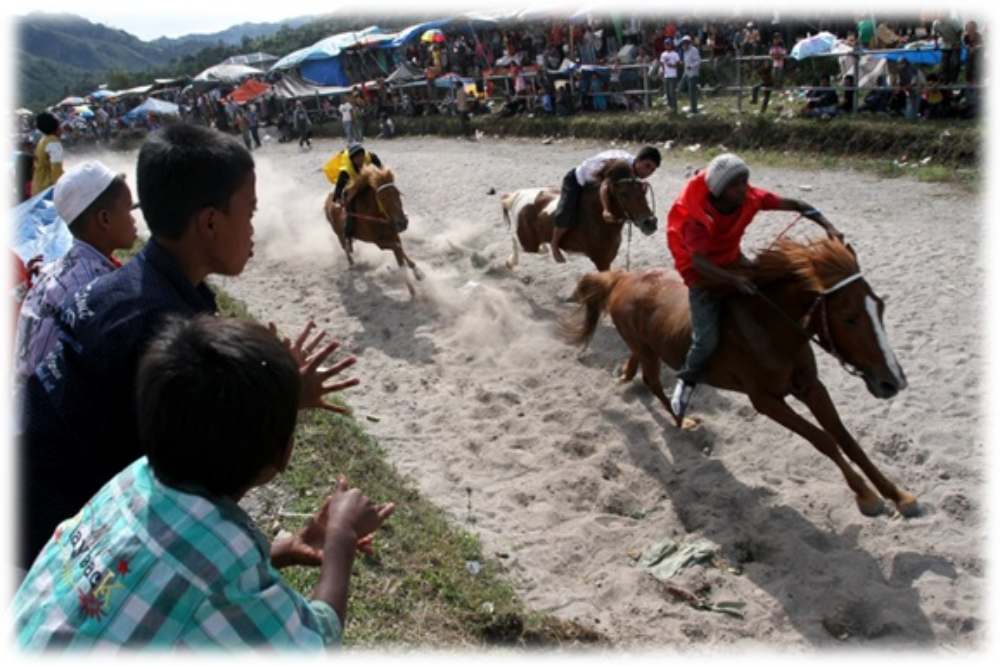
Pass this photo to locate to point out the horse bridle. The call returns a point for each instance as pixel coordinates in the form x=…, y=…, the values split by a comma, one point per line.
x=820, y=304
x=646, y=188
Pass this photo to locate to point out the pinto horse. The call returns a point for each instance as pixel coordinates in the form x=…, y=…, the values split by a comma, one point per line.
x=806, y=291
x=377, y=209
x=533, y=211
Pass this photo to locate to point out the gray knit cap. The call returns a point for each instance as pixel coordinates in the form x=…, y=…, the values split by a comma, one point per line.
x=722, y=170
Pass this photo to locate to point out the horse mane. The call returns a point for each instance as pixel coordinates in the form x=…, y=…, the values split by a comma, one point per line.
x=817, y=265
x=617, y=170
x=373, y=177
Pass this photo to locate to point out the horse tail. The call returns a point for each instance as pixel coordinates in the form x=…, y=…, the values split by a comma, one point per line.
x=506, y=200
x=592, y=293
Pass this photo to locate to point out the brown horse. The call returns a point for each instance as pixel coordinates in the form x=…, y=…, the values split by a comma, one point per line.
x=806, y=290
x=377, y=209
x=533, y=211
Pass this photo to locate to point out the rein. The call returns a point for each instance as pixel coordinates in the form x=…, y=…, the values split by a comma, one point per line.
x=376, y=218
x=614, y=193
x=820, y=304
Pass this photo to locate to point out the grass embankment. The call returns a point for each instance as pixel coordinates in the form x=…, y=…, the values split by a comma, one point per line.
x=941, y=151
x=420, y=588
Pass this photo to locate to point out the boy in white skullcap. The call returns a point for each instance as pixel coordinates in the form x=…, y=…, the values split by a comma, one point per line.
x=704, y=229
x=97, y=205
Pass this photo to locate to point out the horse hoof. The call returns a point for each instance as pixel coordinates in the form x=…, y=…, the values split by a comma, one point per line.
x=908, y=506
x=418, y=274
x=871, y=506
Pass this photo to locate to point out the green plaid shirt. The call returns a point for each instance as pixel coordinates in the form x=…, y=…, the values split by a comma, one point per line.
x=144, y=564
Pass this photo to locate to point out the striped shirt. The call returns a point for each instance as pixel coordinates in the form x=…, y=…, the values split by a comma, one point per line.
x=145, y=564
x=37, y=328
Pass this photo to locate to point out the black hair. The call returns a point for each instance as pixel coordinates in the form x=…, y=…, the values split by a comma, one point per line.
x=46, y=123
x=217, y=401
x=184, y=168
x=104, y=201
x=650, y=153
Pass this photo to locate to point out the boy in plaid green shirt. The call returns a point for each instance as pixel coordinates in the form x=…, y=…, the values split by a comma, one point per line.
x=163, y=555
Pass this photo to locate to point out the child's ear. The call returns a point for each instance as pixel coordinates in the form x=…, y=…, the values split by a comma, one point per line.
x=205, y=221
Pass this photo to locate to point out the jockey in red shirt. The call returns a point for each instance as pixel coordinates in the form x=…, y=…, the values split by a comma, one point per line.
x=704, y=229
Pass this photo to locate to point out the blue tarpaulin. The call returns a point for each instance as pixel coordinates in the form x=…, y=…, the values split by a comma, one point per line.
x=326, y=72
x=917, y=56
x=38, y=229
x=152, y=105
x=332, y=46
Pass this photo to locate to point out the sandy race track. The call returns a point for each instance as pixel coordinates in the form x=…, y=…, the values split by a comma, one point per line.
x=568, y=475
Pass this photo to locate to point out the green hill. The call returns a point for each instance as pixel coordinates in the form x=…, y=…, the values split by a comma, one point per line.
x=63, y=54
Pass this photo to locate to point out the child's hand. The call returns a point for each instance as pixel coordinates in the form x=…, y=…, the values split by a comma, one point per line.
x=314, y=380
x=354, y=514
x=306, y=546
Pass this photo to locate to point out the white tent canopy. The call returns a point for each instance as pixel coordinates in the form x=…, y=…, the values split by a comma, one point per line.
x=228, y=73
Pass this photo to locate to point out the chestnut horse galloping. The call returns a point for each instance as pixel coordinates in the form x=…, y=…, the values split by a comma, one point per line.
x=807, y=291
x=379, y=217
x=533, y=211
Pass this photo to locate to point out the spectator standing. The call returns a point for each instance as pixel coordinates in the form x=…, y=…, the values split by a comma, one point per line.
x=866, y=33
x=766, y=84
x=24, y=163
x=347, y=119
x=692, y=65
x=669, y=60
x=908, y=79
x=462, y=107
x=948, y=34
x=48, y=154
x=243, y=127
x=254, y=123
x=973, y=42
x=302, y=124
x=777, y=54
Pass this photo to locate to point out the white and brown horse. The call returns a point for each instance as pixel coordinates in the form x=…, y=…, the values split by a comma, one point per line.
x=807, y=291
x=533, y=210
x=377, y=210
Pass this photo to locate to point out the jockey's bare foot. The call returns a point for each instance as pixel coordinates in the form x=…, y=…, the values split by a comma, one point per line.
x=689, y=423
x=557, y=255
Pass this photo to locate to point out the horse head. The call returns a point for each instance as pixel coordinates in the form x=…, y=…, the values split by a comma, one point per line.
x=628, y=197
x=387, y=196
x=847, y=315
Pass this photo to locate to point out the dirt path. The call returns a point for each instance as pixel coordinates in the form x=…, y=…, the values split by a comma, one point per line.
x=568, y=474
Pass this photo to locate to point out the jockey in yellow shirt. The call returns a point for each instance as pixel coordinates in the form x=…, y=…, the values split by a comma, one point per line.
x=342, y=170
